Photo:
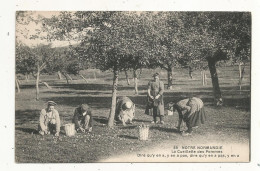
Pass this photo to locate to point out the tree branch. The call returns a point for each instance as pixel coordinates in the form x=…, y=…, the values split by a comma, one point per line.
x=43, y=66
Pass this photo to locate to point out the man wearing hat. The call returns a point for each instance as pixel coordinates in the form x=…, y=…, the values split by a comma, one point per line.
x=155, y=99
x=125, y=110
x=83, y=118
x=49, y=120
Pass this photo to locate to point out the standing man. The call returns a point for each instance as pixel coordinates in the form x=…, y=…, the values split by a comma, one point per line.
x=49, y=120
x=155, y=99
x=83, y=118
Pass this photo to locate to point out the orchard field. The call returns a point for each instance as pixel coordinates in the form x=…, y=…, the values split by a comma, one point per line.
x=225, y=125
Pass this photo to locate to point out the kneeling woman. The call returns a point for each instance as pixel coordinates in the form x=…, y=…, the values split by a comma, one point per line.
x=125, y=110
x=191, y=111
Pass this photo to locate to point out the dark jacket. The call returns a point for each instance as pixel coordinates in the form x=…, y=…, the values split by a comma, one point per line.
x=78, y=116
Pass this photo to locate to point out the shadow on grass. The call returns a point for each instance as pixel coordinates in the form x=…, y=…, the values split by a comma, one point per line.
x=102, y=120
x=242, y=102
x=105, y=102
x=70, y=92
x=128, y=137
x=227, y=88
x=141, y=100
x=24, y=116
x=232, y=127
x=32, y=86
x=141, y=120
x=98, y=87
x=94, y=102
x=231, y=95
x=128, y=127
x=36, y=132
x=174, y=130
x=27, y=130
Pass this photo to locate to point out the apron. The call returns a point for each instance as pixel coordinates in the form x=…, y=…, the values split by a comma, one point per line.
x=157, y=104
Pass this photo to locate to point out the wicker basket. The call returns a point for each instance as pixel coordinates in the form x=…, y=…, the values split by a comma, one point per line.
x=70, y=129
x=169, y=112
x=143, y=133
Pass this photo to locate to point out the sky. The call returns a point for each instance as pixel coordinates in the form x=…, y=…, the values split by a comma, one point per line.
x=24, y=31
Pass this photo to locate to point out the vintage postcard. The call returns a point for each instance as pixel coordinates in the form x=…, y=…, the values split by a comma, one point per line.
x=132, y=86
x=118, y=84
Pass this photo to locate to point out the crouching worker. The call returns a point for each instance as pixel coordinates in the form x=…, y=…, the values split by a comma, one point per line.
x=191, y=111
x=125, y=110
x=83, y=118
x=49, y=120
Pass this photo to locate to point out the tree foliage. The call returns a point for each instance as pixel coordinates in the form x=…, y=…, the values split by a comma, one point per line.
x=212, y=31
x=25, y=61
x=152, y=39
x=119, y=41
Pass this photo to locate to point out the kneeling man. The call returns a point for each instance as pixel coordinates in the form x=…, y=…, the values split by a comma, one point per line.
x=83, y=118
x=125, y=110
x=49, y=120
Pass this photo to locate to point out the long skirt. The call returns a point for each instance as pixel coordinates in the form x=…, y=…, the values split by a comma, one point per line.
x=196, y=119
x=155, y=110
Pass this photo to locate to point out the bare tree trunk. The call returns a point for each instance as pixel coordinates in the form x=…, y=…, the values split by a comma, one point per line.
x=94, y=74
x=83, y=78
x=239, y=68
x=241, y=75
x=135, y=82
x=65, y=75
x=59, y=75
x=113, y=106
x=215, y=83
x=17, y=85
x=141, y=71
x=18, y=81
x=27, y=77
x=37, y=82
x=169, y=74
x=203, y=77
x=127, y=78
x=69, y=76
x=190, y=72
x=47, y=85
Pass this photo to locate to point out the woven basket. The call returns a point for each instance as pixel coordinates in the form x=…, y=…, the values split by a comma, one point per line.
x=143, y=133
x=169, y=112
x=70, y=129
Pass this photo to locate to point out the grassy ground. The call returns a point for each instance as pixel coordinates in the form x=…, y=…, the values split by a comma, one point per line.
x=228, y=124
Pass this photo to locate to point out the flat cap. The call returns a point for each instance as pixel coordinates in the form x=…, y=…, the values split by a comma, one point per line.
x=84, y=107
x=51, y=103
x=156, y=74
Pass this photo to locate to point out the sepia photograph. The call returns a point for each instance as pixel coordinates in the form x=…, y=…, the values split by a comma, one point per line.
x=132, y=86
